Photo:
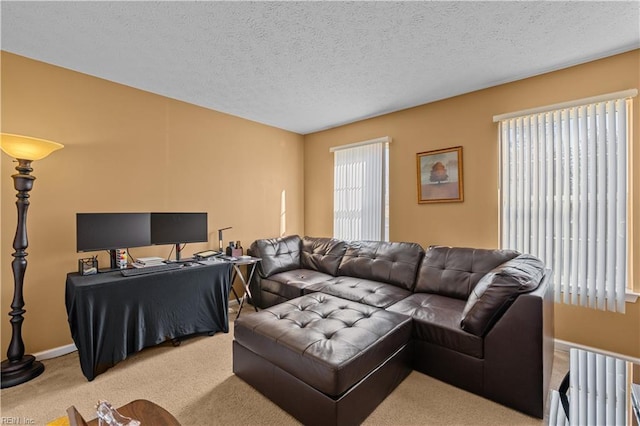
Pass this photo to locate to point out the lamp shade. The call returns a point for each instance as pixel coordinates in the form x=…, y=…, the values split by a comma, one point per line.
x=27, y=148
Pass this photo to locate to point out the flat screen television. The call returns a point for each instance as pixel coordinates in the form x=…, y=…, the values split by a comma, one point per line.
x=111, y=231
x=178, y=228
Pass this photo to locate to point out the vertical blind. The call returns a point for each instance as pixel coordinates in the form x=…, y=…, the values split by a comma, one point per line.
x=564, y=197
x=557, y=416
x=597, y=392
x=360, y=189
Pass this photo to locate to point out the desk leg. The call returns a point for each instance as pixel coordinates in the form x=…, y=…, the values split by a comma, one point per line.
x=253, y=269
x=234, y=273
x=247, y=291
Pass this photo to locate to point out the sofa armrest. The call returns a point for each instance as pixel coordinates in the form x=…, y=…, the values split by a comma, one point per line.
x=498, y=289
x=277, y=254
x=519, y=352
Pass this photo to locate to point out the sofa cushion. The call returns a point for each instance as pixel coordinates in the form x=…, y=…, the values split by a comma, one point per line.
x=497, y=290
x=388, y=262
x=455, y=271
x=436, y=320
x=372, y=293
x=290, y=284
x=322, y=254
x=277, y=254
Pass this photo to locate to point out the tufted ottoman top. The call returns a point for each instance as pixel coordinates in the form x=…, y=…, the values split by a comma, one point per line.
x=327, y=342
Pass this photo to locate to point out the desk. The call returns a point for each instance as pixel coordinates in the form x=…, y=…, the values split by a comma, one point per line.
x=599, y=392
x=111, y=316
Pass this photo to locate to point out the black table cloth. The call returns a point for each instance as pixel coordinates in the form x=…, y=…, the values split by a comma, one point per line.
x=111, y=316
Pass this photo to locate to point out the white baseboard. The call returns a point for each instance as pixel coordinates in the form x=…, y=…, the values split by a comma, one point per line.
x=55, y=352
x=563, y=345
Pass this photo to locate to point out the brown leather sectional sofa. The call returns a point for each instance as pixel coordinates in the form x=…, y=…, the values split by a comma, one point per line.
x=481, y=319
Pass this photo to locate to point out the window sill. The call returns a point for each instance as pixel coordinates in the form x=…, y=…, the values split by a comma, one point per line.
x=631, y=297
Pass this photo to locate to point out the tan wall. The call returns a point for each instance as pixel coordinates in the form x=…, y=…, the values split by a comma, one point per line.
x=467, y=121
x=187, y=156
x=125, y=151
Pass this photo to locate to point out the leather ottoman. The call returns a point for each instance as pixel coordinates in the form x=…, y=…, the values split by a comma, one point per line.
x=323, y=359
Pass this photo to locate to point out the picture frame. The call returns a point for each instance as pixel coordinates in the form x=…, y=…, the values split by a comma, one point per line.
x=440, y=178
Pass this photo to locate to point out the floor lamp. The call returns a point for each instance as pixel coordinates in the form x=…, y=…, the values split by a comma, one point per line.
x=21, y=367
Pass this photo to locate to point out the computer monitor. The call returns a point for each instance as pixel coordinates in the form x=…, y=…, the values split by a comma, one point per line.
x=111, y=231
x=178, y=228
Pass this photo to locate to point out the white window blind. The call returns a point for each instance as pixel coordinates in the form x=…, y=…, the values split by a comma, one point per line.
x=564, y=194
x=360, y=203
x=597, y=391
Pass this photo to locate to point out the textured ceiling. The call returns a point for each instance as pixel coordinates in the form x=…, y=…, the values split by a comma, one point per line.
x=308, y=66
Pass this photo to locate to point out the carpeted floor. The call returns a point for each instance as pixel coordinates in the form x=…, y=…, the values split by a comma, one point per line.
x=195, y=382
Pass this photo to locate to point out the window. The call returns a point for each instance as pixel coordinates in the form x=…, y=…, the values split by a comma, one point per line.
x=361, y=195
x=563, y=194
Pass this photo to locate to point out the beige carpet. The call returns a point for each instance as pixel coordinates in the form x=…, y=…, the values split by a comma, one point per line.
x=195, y=382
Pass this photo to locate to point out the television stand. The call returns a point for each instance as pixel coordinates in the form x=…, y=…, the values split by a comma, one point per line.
x=113, y=258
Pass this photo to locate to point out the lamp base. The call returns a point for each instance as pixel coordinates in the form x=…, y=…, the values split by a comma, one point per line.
x=23, y=370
